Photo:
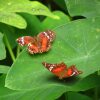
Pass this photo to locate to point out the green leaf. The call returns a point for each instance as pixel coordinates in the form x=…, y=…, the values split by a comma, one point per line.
x=12, y=19
x=9, y=10
x=4, y=69
x=2, y=48
x=77, y=42
x=83, y=7
x=7, y=94
x=50, y=23
x=36, y=94
x=51, y=92
x=77, y=96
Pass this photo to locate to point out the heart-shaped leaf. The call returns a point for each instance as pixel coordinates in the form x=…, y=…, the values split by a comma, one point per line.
x=76, y=42
x=9, y=10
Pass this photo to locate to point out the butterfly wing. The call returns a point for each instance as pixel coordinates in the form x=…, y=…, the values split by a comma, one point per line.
x=25, y=40
x=56, y=69
x=49, y=34
x=44, y=43
x=61, y=70
x=45, y=38
x=71, y=71
x=33, y=46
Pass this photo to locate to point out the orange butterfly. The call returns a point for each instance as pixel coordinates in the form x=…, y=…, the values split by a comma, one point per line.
x=37, y=44
x=61, y=70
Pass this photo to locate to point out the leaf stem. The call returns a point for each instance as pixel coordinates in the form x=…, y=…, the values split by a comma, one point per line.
x=18, y=50
x=9, y=47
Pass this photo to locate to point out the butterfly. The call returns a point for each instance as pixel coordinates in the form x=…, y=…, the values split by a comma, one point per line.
x=37, y=44
x=61, y=70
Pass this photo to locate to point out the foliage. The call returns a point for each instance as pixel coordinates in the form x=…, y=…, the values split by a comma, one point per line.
x=76, y=24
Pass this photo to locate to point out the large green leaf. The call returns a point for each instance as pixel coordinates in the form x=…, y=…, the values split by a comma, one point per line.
x=50, y=23
x=9, y=10
x=76, y=42
x=2, y=48
x=36, y=94
x=85, y=8
x=51, y=92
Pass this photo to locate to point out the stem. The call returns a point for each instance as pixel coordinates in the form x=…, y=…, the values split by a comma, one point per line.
x=18, y=50
x=9, y=47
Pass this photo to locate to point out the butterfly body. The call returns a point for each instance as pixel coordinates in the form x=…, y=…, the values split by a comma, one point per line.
x=37, y=44
x=61, y=70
